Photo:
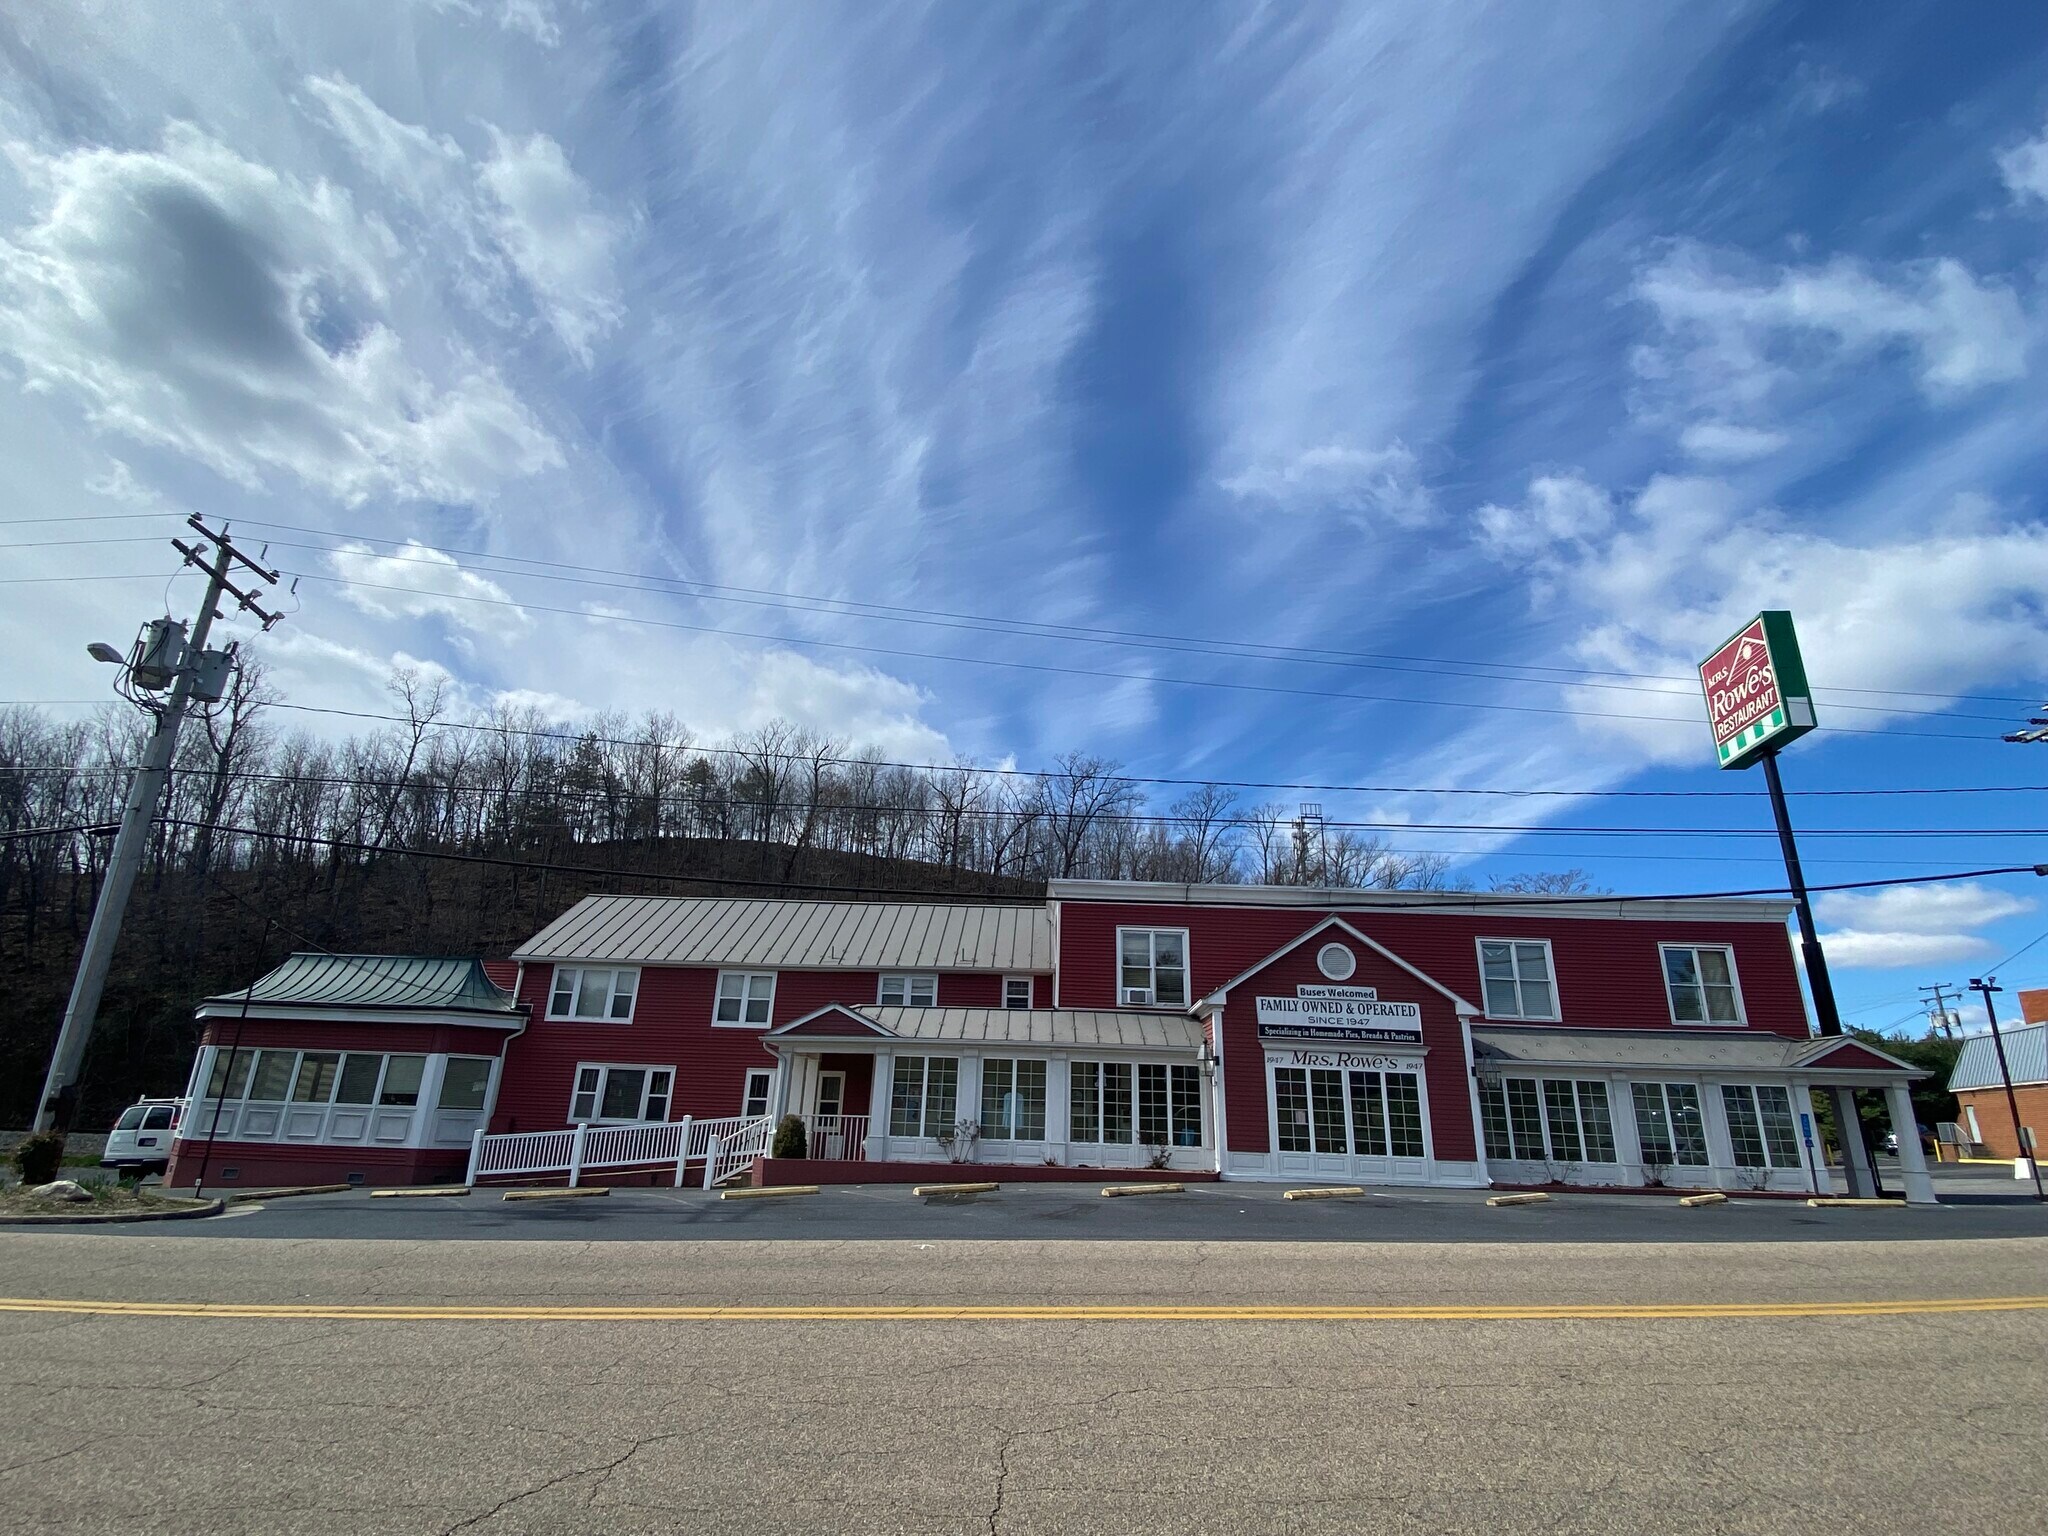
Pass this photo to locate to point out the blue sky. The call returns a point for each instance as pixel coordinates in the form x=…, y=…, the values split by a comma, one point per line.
x=1520, y=340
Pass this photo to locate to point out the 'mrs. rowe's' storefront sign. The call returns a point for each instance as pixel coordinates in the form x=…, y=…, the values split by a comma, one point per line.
x=1757, y=698
x=1338, y=1014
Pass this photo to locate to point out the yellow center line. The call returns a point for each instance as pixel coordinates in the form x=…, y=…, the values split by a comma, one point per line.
x=1003, y=1313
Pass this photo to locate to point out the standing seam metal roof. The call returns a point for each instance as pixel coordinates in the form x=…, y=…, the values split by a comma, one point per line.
x=1042, y=1027
x=378, y=981
x=2026, y=1052
x=769, y=932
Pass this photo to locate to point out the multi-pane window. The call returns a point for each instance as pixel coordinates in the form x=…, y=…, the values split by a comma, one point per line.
x=909, y=991
x=1701, y=981
x=1552, y=1119
x=620, y=1093
x=754, y=1102
x=1365, y=1114
x=1016, y=991
x=924, y=1095
x=1152, y=967
x=1669, y=1124
x=1760, y=1125
x=1012, y=1100
x=593, y=992
x=1169, y=1104
x=744, y=997
x=1517, y=977
x=330, y=1077
x=1099, y=1102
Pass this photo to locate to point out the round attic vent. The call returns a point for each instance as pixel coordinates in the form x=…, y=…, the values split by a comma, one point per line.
x=1336, y=962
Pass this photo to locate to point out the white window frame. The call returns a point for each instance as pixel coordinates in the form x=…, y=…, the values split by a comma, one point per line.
x=1549, y=964
x=1548, y=1151
x=767, y=1093
x=909, y=984
x=604, y=1070
x=1030, y=991
x=1187, y=968
x=1755, y=1092
x=929, y=1123
x=1734, y=980
x=746, y=997
x=628, y=974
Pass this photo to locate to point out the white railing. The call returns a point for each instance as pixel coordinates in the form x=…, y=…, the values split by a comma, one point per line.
x=837, y=1138
x=724, y=1147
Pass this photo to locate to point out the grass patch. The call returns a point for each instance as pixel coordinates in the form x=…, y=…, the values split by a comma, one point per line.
x=107, y=1198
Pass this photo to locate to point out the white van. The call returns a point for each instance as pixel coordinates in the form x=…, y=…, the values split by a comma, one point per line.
x=140, y=1141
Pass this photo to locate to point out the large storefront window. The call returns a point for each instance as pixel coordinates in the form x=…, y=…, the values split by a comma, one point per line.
x=1552, y=1119
x=1669, y=1124
x=924, y=1095
x=1364, y=1114
x=1099, y=1102
x=1760, y=1126
x=325, y=1077
x=1012, y=1100
x=1169, y=1104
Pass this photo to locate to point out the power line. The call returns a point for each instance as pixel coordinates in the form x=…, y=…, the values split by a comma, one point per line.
x=577, y=737
x=997, y=624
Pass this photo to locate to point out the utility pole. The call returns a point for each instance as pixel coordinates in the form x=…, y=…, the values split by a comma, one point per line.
x=1938, y=1006
x=1988, y=985
x=1856, y=1162
x=162, y=657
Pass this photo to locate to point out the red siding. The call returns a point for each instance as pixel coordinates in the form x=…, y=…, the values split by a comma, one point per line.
x=1608, y=969
x=273, y=1165
x=671, y=1027
x=1244, y=1062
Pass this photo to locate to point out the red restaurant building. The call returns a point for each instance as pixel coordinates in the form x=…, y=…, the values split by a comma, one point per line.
x=1241, y=1032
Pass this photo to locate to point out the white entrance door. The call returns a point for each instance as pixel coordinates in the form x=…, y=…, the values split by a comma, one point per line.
x=830, y=1119
x=1350, y=1122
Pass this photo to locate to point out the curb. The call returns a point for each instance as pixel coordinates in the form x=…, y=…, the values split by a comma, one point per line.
x=1519, y=1200
x=436, y=1192
x=1831, y=1202
x=1325, y=1192
x=581, y=1191
x=955, y=1189
x=1113, y=1191
x=1715, y=1198
x=243, y=1196
x=767, y=1191
x=99, y=1218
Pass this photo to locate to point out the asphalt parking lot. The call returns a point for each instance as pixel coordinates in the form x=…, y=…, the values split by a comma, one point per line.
x=1980, y=1203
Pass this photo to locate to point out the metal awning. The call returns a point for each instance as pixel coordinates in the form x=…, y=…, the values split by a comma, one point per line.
x=1042, y=1028
x=1672, y=1050
x=394, y=983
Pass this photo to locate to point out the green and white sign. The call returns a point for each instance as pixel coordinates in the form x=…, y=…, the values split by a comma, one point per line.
x=1757, y=695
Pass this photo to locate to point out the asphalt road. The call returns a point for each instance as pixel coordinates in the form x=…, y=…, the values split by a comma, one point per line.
x=947, y=1406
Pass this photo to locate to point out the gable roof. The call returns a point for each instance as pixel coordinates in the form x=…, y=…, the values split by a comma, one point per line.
x=447, y=983
x=834, y=1021
x=774, y=932
x=1369, y=942
x=1841, y=1051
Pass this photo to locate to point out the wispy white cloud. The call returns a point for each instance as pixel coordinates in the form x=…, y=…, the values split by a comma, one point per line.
x=1366, y=486
x=191, y=298
x=559, y=239
x=2025, y=169
x=1914, y=925
x=419, y=581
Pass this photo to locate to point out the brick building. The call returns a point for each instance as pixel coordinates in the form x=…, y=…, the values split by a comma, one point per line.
x=1985, y=1116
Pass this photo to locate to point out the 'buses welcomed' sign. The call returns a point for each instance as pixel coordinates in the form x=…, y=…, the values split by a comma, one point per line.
x=1338, y=1013
x=1757, y=698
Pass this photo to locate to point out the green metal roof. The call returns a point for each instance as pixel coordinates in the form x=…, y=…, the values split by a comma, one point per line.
x=409, y=982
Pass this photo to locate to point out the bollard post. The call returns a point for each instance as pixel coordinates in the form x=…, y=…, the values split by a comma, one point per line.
x=682, y=1150
x=576, y=1155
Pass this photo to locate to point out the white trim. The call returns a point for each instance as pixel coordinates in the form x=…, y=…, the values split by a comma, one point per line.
x=1349, y=963
x=767, y=1089
x=1479, y=944
x=1187, y=966
x=1218, y=994
x=874, y=1030
x=1734, y=978
x=605, y=1069
x=617, y=972
x=1716, y=909
x=883, y=978
x=718, y=995
x=294, y=1013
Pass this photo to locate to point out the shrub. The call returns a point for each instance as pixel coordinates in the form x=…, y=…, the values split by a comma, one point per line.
x=1158, y=1154
x=38, y=1158
x=790, y=1140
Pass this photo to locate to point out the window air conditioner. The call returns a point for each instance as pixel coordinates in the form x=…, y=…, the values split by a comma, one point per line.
x=1137, y=997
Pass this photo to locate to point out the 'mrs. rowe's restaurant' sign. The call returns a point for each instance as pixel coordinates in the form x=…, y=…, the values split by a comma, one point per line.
x=1338, y=1014
x=1757, y=698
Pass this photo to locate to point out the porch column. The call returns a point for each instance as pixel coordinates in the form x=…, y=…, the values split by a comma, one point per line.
x=1898, y=1102
x=1057, y=1105
x=1720, y=1140
x=1217, y=1135
x=877, y=1139
x=785, y=1070
x=431, y=1077
x=1621, y=1115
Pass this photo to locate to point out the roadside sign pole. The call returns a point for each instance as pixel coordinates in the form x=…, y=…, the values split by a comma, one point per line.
x=2021, y=1146
x=1856, y=1164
